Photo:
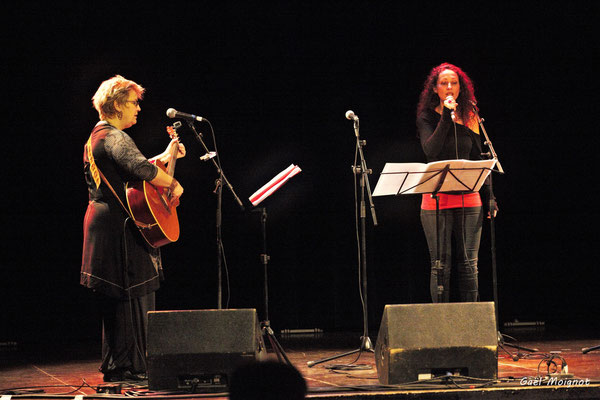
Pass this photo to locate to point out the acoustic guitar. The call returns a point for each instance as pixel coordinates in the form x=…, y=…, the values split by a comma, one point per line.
x=151, y=206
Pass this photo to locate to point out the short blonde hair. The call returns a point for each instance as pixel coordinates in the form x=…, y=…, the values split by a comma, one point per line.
x=115, y=89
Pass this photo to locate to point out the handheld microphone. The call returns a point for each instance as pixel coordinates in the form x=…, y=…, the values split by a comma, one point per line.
x=450, y=100
x=172, y=113
x=350, y=115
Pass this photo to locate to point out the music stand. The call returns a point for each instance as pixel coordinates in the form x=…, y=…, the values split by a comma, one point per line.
x=445, y=176
x=265, y=324
x=433, y=178
x=259, y=196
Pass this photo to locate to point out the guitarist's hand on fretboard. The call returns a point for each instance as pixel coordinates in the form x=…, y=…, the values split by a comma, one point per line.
x=181, y=149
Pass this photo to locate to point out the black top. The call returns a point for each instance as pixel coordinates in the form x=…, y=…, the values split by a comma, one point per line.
x=438, y=138
x=103, y=261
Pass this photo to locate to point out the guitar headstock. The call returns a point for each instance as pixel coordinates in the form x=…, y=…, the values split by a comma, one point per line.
x=172, y=130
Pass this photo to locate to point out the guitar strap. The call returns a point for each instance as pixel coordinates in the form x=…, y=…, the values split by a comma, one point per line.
x=139, y=224
x=96, y=172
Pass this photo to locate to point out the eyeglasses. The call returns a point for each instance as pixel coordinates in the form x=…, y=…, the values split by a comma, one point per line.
x=134, y=102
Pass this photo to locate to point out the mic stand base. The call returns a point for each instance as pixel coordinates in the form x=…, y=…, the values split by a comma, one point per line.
x=265, y=327
x=366, y=345
x=588, y=349
x=502, y=343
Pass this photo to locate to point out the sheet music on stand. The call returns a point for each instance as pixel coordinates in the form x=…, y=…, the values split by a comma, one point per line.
x=414, y=178
x=274, y=184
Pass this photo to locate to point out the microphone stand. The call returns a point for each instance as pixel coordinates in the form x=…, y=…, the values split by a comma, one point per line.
x=491, y=207
x=222, y=179
x=366, y=344
x=488, y=142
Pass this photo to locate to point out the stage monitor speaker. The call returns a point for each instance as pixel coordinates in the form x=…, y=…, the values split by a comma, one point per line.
x=197, y=350
x=423, y=341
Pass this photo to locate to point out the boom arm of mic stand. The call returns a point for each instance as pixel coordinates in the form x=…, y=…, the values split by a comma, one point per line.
x=217, y=165
x=488, y=142
x=363, y=165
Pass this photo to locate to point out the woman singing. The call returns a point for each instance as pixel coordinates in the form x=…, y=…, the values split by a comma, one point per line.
x=117, y=264
x=448, y=129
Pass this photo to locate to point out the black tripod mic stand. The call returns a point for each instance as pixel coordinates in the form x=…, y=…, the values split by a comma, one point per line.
x=366, y=344
x=492, y=154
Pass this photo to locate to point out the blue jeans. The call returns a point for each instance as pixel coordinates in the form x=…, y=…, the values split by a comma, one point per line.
x=460, y=227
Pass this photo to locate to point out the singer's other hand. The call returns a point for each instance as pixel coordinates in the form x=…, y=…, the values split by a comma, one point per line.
x=493, y=209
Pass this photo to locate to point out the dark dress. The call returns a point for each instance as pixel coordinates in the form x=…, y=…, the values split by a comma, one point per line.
x=117, y=264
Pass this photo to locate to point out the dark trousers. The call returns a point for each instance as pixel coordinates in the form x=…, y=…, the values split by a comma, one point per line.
x=124, y=331
x=460, y=231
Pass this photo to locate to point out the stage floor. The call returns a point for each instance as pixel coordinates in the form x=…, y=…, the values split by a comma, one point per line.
x=72, y=370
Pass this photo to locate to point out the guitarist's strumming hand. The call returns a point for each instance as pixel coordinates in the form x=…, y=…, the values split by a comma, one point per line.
x=174, y=201
x=176, y=191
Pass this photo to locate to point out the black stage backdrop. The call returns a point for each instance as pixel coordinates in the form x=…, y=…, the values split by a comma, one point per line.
x=275, y=79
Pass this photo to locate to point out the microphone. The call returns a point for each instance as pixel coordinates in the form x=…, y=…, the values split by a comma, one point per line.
x=350, y=115
x=173, y=113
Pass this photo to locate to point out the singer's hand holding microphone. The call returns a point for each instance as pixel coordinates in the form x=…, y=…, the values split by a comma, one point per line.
x=451, y=104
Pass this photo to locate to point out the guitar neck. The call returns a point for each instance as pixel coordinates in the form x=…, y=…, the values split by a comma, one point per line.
x=172, y=161
x=174, y=151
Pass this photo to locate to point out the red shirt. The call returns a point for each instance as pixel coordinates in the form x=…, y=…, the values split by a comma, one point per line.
x=451, y=201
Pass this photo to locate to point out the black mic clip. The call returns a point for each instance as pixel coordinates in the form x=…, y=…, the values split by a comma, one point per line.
x=474, y=104
x=218, y=183
x=193, y=128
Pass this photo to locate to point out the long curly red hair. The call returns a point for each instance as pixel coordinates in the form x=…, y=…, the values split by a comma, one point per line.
x=466, y=98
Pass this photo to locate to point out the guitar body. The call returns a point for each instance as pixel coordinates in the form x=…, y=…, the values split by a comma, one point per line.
x=150, y=205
